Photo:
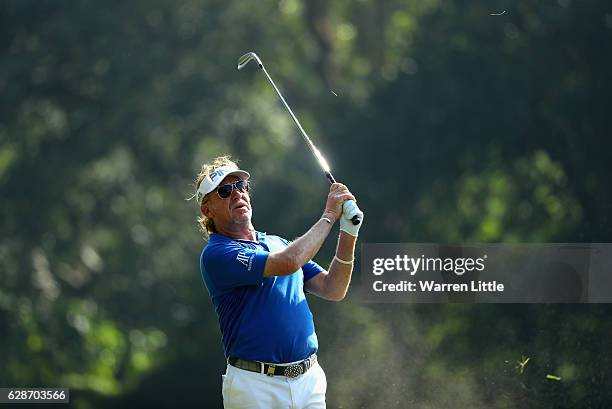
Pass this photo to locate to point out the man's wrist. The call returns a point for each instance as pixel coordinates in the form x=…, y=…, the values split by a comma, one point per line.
x=345, y=262
x=326, y=219
x=327, y=215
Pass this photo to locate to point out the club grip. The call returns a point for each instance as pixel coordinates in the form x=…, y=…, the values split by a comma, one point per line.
x=350, y=207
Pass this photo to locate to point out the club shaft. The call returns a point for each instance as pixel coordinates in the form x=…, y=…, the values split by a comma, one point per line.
x=305, y=136
x=356, y=219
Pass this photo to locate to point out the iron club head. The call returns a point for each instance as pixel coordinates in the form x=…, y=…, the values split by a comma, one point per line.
x=246, y=58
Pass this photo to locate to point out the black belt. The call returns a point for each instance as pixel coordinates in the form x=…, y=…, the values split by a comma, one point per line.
x=290, y=371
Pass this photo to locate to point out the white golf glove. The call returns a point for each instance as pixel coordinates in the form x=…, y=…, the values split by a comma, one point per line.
x=350, y=209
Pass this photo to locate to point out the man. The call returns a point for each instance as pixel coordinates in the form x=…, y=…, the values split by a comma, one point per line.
x=257, y=284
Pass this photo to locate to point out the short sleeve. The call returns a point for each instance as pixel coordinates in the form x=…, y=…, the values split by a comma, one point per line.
x=229, y=266
x=311, y=269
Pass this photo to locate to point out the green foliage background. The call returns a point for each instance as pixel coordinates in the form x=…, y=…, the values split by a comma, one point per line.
x=449, y=124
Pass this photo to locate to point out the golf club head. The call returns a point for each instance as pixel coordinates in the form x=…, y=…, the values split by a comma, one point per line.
x=246, y=58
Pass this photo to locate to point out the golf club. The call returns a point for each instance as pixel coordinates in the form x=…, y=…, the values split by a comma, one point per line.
x=243, y=61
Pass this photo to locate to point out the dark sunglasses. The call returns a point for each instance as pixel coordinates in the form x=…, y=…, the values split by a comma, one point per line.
x=225, y=191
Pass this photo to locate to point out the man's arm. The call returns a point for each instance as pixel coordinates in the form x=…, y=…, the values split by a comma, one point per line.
x=333, y=284
x=302, y=250
x=298, y=252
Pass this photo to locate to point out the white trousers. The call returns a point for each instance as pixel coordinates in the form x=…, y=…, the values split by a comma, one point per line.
x=251, y=390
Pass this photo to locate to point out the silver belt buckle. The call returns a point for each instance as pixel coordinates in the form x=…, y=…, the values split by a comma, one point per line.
x=293, y=371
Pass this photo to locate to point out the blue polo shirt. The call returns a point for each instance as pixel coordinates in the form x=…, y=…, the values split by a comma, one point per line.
x=261, y=318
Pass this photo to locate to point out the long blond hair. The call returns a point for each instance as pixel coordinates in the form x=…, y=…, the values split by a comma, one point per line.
x=206, y=224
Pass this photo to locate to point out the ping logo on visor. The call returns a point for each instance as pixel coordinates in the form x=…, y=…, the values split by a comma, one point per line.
x=217, y=173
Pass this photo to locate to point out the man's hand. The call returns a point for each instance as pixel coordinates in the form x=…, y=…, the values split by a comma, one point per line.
x=333, y=284
x=338, y=194
x=349, y=210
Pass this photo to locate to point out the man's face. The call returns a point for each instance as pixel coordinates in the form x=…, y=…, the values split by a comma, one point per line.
x=231, y=212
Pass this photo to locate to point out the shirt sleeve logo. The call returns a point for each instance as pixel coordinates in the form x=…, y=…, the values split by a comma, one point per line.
x=244, y=259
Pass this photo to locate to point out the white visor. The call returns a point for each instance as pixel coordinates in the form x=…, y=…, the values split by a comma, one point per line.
x=211, y=181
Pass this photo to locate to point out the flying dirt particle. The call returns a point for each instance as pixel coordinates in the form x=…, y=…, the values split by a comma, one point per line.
x=522, y=363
